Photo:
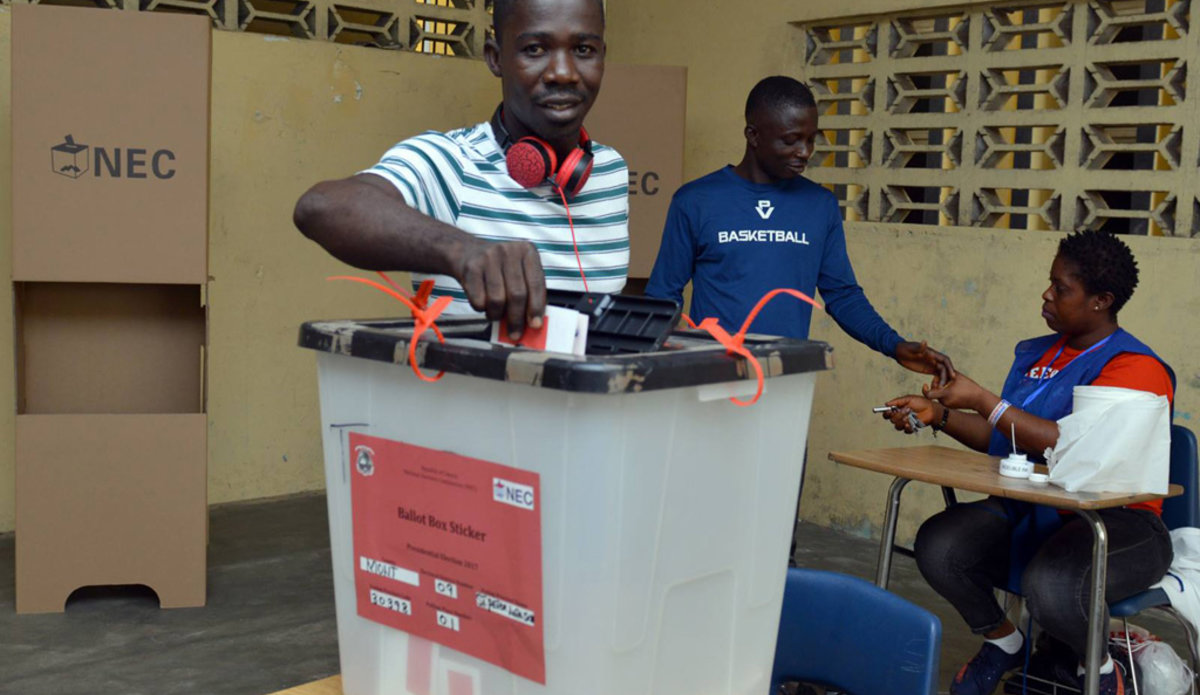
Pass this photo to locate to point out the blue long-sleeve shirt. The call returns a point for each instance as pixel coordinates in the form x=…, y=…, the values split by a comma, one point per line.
x=736, y=240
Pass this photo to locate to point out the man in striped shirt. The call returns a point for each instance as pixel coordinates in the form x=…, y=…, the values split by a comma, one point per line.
x=443, y=204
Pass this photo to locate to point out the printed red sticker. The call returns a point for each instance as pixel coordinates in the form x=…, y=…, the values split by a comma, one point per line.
x=449, y=548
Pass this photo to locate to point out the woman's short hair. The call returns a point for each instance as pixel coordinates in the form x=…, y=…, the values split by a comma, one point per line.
x=1104, y=264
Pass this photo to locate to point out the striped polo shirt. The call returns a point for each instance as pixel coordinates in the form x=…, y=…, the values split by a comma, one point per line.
x=460, y=178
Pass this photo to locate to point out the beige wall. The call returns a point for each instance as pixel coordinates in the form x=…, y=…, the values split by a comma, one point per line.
x=970, y=292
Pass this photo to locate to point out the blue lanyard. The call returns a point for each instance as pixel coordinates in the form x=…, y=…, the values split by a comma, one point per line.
x=1042, y=376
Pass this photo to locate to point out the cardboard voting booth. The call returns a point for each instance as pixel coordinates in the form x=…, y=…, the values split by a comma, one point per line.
x=110, y=200
x=555, y=524
x=641, y=112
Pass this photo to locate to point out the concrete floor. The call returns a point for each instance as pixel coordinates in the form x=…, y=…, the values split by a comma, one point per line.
x=269, y=623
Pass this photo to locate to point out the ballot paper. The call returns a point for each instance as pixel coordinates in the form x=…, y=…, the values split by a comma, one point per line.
x=1114, y=440
x=563, y=330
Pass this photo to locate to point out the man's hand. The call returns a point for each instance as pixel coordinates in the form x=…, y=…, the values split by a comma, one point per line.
x=921, y=358
x=364, y=220
x=504, y=280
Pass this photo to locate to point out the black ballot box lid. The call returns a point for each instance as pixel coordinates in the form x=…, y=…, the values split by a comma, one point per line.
x=668, y=358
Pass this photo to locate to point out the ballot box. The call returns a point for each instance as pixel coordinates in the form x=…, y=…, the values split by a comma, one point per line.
x=536, y=522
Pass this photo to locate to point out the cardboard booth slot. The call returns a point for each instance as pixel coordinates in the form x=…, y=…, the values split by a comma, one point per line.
x=110, y=500
x=109, y=348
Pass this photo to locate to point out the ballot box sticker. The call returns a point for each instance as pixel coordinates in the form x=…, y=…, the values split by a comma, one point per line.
x=449, y=548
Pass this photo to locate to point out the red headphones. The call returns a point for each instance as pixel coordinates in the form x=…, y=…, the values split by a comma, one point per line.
x=532, y=161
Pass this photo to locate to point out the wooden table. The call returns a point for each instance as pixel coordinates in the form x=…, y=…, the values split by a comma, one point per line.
x=329, y=686
x=976, y=472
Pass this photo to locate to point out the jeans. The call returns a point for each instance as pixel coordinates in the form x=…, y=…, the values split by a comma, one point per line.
x=963, y=552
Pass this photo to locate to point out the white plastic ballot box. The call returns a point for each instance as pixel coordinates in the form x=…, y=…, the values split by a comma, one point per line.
x=536, y=523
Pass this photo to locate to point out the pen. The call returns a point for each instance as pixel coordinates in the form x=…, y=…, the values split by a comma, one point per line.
x=883, y=408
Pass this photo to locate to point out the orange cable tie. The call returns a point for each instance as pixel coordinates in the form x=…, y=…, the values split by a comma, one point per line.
x=734, y=344
x=424, y=317
x=392, y=283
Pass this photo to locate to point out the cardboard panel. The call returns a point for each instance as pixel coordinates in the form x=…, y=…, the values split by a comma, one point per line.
x=7, y=375
x=641, y=112
x=110, y=145
x=110, y=499
x=101, y=348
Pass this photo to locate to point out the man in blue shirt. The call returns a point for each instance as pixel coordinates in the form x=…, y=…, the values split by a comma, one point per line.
x=745, y=230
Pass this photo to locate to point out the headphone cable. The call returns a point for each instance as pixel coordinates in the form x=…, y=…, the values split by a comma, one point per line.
x=574, y=245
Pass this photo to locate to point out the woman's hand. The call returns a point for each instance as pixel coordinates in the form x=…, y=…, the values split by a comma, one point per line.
x=961, y=393
x=925, y=410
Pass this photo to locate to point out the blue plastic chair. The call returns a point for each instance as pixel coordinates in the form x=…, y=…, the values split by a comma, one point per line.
x=1177, y=512
x=843, y=632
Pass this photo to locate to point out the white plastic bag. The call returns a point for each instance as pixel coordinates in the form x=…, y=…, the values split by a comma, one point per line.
x=1182, y=582
x=1163, y=672
x=1114, y=440
x=1160, y=670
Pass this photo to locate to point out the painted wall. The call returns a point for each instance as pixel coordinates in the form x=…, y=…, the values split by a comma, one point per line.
x=970, y=292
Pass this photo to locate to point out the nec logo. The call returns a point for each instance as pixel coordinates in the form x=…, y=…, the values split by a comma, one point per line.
x=73, y=160
x=515, y=494
x=364, y=460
